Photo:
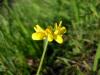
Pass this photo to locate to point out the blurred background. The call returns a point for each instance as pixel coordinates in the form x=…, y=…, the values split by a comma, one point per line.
x=78, y=55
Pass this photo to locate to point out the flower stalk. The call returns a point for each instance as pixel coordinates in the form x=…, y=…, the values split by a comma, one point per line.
x=42, y=57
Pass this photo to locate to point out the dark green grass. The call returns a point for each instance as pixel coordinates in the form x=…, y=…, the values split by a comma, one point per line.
x=76, y=56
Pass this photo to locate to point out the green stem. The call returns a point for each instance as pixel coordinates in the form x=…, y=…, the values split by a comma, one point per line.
x=42, y=58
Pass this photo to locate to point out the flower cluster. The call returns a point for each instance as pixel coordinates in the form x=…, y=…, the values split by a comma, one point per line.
x=49, y=33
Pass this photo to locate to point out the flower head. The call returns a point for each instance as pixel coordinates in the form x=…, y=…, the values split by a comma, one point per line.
x=58, y=33
x=42, y=34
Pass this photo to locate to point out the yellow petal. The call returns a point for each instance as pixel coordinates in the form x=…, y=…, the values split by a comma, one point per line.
x=37, y=28
x=59, y=39
x=38, y=36
x=63, y=30
x=56, y=29
x=50, y=37
x=56, y=32
x=60, y=23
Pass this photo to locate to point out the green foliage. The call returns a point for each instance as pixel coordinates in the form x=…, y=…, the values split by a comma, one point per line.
x=74, y=57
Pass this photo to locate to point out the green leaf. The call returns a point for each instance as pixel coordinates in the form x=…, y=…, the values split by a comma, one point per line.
x=97, y=57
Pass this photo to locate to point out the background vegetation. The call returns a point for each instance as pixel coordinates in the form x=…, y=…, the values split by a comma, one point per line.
x=78, y=55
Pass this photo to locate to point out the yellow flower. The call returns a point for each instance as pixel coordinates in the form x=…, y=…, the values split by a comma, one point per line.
x=58, y=33
x=41, y=34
